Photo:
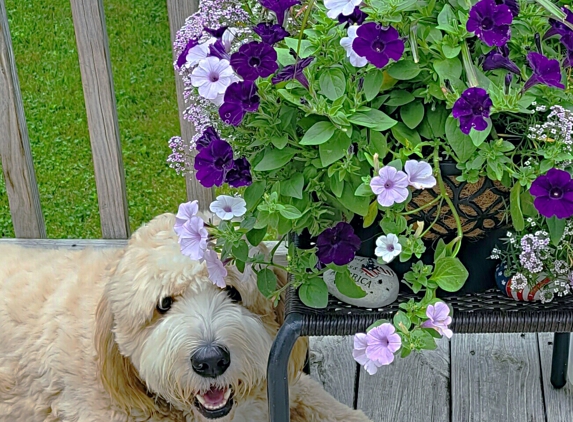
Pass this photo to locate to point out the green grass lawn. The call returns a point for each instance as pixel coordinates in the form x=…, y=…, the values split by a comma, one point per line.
x=48, y=68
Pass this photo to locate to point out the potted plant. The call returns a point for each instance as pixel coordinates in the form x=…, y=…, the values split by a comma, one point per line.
x=325, y=118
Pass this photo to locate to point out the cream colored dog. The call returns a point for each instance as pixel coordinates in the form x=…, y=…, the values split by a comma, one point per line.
x=139, y=334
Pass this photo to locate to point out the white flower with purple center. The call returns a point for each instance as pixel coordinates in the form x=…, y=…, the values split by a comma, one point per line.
x=391, y=186
x=419, y=174
x=388, y=247
x=346, y=43
x=439, y=319
x=340, y=7
x=215, y=268
x=228, y=207
x=193, y=238
x=212, y=76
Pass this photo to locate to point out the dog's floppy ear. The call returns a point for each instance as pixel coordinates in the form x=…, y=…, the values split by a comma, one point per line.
x=116, y=372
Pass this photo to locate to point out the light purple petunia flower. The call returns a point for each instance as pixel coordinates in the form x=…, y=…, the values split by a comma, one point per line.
x=545, y=71
x=378, y=44
x=186, y=211
x=213, y=162
x=553, y=194
x=359, y=354
x=240, y=98
x=490, y=22
x=215, y=268
x=254, y=60
x=383, y=342
x=472, y=108
x=420, y=174
x=337, y=244
x=439, y=319
x=193, y=238
x=212, y=76
x=390, y=185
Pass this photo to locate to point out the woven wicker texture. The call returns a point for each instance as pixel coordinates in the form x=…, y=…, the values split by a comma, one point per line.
x=488, y=312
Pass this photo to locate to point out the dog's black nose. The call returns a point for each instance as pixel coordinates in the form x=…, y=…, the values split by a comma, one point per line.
x=211, y=360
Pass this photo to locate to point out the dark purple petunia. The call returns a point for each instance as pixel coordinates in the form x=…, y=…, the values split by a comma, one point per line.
x=269, y=33
x=240, y=98
x=567, y=41
x=182, y=59
x=240, y=174
x=337, y=245
x=218, y=50
x=558, y=28
x=213, y=162
x=545, y=71
x=217, y=33
x=208, y=136
x=512, y=4
x=255, y=59
x=472, y=109
x=490, y=22
x=498, y=59
x=357, y=17
x=378, y=44
x=553, y=194
x=279, y=7
x=294, y=71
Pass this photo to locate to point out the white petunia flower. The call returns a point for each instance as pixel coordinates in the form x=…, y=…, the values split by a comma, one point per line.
x=228, y=207
x=346, y=43
x=388, y=247
x=212, y=76
x=419, y=174
x=227, y=39
x=199, y=52
x=338, y=7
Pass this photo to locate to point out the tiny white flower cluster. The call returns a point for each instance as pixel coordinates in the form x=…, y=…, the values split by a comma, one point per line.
x=558, y=127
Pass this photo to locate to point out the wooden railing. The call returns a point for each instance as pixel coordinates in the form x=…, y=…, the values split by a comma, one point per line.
x=99, y=95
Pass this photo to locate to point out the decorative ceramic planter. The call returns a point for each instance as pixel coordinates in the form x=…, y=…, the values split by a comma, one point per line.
x=528, y=294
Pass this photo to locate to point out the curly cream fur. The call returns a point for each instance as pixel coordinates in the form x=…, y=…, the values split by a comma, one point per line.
x=81, y=339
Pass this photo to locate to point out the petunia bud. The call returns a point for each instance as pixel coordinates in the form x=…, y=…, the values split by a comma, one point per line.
x=508, y=79
x=538, y=42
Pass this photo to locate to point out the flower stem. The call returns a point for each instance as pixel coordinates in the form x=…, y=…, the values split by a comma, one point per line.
x=435, y=219
x=469, y=65
x=303, y=24
x=423, y=207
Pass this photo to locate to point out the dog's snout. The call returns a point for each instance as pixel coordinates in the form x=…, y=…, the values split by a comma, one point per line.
x=211, y=360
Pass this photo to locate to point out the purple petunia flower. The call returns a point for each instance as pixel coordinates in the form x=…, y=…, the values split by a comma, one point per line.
x=512, y=4
x=567, y=41
x=240, y=174
x=390, y=186
x=182, y=59
x=215, y=268
x=498, y=58
x=472, y=108
x=217, y=33
x=377, y=347
x=269, y=33
x=185, y=212
x=193, y=238
x=337, y=244
x=255, y=59
x=553, y=194
x=240, y=98
x=294, y=71
x=213, y=163
x=439, y=319
x=357, y=17
x=490, y=22
x=558, y=28
x=279, y=7
x=545, y=71
x=377, y=44
x=208, y=135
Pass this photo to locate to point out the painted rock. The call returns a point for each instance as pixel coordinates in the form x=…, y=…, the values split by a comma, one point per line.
x=380, y=283
x=525, y=295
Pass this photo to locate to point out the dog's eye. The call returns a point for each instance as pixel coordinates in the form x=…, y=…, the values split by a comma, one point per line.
x=233, y=294
x=164, y=305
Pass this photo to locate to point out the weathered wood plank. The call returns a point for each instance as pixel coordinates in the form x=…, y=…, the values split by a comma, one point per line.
x=97, y=81
x=15, y=153
x=415, y=389
x=496, y=377
x=332, y=365
x=178, y=11
x=558, y=403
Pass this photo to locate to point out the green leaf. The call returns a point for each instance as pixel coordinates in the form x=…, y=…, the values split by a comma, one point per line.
x=275, y=158
x=356, y=204
x=240, y=265
x=284, y=57
x=280, y=141
x=336, y=185
x=372, y=214
x=378, y=144
x=527, y=206
x=478, y=137
x=448, y=68
x=425, y=339
x=515, y=208
x=363, y=190
x=266, y=282
x=347, y=286
x=401, y=321
x=399, y=97
x=256, y=236
x=319, y=133
x=556, y=229
x=332, y=83
x=412, y=114
x=406, y=136
x=447, y=19
x=373, y=119
x=293, y=186
x=253, y=194
x=314, y=293
x=290, y=212
x=334, y=149
x=460, y=142
x=449, y=274
x=451, y=52
x=440, y=249
x=404, y=70
x=372, y=83
x=306, y=47
x=241, y=251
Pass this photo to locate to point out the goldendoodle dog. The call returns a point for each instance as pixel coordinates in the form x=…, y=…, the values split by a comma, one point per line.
x=140, y=334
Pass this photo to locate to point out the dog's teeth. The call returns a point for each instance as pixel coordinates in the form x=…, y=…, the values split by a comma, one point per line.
x=201, y=399
x=227, y=394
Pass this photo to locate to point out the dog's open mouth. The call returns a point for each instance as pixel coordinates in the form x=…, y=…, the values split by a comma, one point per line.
x=215, y=403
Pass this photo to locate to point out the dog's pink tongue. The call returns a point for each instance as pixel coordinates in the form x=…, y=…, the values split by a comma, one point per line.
x=214, y=396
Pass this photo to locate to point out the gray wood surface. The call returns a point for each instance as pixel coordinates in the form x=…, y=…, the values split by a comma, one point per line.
x=332, y=365
x=15, y=153
x=558, y=403
x=65, y=243
x=178, y=11
x=496, y=377
x=414, y=389
x=97, y=81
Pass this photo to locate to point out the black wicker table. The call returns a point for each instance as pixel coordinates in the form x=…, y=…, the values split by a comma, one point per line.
x=489, y=312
